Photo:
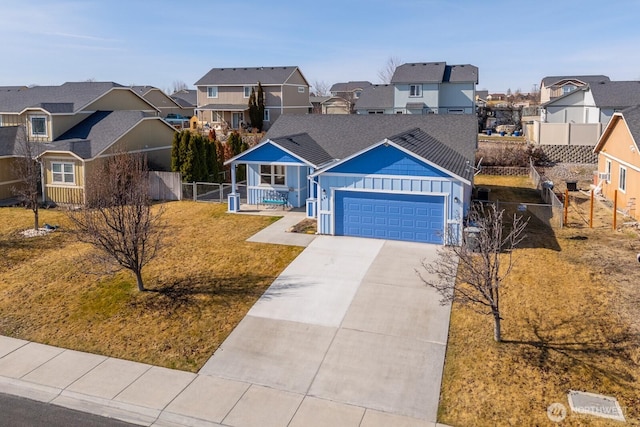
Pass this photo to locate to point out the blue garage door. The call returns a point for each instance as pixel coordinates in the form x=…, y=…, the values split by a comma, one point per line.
x=410, y=217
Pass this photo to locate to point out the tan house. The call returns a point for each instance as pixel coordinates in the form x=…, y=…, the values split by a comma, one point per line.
x=223, y=95
x=164, y=103
x=73, y=126
x=619, y=161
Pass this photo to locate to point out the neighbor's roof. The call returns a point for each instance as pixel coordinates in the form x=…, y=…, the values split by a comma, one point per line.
x=375, y=97
x=343, y=135
x=631, y=117
x=186, y=98
x=551, y=80
x=435, y=72
x=318, y=99
x=247, y=76
x=66, y=98
x=96, y=133
x=349, y=86
x=9, y=137
x=617, y=94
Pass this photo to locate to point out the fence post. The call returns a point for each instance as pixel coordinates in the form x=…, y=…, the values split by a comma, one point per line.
x=591, y=211
x=566, y=206
x=615, y=209
x=195, y=191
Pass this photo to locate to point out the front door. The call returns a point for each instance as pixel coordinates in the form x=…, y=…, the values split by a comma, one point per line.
x=236, y=119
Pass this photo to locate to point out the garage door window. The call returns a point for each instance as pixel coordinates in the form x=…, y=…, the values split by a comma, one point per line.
x=272, y=174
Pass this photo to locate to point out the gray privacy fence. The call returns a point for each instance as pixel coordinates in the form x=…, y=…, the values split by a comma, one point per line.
x=165, y=185
x=211, y=191
x=547, y=195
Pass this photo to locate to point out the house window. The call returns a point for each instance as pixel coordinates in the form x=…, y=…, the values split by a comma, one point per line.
x=212, y=92
x=415, y=91
x=272, y=174
x=247, y=91
x=63, y=173
x=567, y=88
x=376, y=112
x=267, y=116
x=300, y=89
x=622, y=183
x=608, y=171
x=357, y=94
x=456, y=111
x=38, y=126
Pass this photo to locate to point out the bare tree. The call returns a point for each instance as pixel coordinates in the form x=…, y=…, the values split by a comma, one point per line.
x=118, y=219
x=479, y=264
x=178, y=85
x=321, y=88
x=386, y=72
x=27, y=171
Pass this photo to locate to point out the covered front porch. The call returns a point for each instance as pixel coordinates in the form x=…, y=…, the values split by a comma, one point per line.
x=223, y=117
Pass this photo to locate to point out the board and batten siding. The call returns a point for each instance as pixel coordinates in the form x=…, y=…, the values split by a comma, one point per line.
x=64, y=193
x=386, y=184
x=295, y=184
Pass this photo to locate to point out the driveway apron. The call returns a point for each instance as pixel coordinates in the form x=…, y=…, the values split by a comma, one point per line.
x=348, y=326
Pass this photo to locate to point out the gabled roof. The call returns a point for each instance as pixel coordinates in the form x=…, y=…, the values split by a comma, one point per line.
x=303, y=146
x=97, y=132
x=9, y=139
x=349, y=86
x=617, y=94
x=186, y=98
x=434, y=72
x=631, y=116
x=551, y=80
x=67, y=98
x=376, y=97
x=247, y=76
x=343, y=135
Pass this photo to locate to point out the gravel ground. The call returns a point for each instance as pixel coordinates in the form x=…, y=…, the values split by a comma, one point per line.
x=560, y=173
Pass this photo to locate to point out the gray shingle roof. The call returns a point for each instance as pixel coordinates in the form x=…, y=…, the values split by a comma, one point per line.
x=9, y=138
x=427, y=147
x=375, y=97
x=97, y=132
x=305, y=147
x=247, y=76
x=225, y=107
x=551, y=80
x=434, y=72
x=632, y=118
x=343, y=135
x=69, y=97
x=186, y=98
x=617, y=94
x=349, y=86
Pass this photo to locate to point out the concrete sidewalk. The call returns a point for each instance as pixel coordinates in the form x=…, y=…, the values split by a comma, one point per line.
x=346, y=336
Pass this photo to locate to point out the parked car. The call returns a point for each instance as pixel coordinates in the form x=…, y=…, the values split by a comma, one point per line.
x=177, y=120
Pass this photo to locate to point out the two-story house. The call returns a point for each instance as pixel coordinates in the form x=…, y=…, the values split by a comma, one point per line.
x=427, y=88
x=223, y=94
x=344, y=97
x=73, y=126
x=164, y=103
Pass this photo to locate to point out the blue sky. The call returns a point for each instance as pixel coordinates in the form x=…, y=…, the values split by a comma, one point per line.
x=157, y=42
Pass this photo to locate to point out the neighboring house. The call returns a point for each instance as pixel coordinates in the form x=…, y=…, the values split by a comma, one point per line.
x=619, y=160
x=187, y=99
x=394, y=177
x=429, y=88
x=552, y=87
x=316, y=104
x=75, y=124
x=223, y=94
x=163, y=102
x=344, y=97
x=376, y=99
x=578, y=117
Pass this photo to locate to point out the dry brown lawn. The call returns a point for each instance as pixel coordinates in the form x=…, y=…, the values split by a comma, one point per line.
x=571, y=310
x=201, y=285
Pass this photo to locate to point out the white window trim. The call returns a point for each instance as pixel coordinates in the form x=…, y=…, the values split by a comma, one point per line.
x=209, y=88
x=267, y=115
x=272, y=175
x=247, y=91
x=38, y=135
x=63, y=173
x=621, y=181
x=607, y=169
x=418, y=91
x=301, y=89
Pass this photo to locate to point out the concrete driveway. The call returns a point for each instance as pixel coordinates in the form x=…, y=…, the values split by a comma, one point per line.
x=347, y=335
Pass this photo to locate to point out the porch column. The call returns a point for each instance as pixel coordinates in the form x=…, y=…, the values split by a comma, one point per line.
x=312, y=201
x=233, y=198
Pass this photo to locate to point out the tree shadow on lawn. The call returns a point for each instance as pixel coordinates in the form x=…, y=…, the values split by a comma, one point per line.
x=562, y=345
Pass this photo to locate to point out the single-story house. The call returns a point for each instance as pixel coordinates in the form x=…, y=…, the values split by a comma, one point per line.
x=619, y=160
x=400, y=177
